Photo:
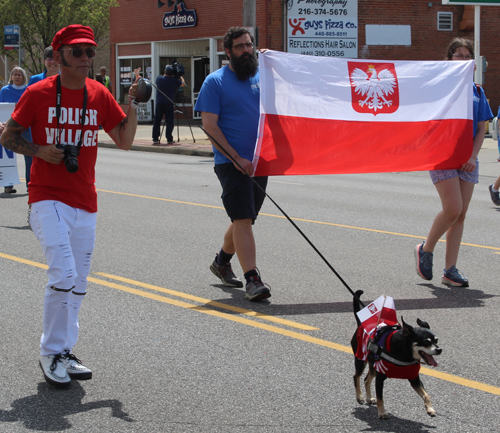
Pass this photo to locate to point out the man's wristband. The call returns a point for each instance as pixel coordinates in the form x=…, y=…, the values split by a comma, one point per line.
x=134, y=104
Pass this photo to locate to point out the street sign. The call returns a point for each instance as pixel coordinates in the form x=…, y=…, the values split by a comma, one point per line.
x=11, y=36
x=472, y=2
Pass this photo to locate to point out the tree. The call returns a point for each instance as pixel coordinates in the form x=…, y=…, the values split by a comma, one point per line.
x=40, y=20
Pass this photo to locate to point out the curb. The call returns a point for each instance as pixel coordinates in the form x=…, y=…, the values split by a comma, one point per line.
x=179, y=150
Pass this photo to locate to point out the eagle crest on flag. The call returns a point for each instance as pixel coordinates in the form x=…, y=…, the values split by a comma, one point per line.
x=374, y=90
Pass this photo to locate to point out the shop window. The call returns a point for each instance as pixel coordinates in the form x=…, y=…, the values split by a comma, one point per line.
x=127, y=76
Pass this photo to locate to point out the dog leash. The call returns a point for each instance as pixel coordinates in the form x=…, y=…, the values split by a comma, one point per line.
x=144, y=93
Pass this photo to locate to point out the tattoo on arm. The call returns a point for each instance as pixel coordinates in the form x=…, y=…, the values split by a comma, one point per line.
x=12, y=140
x=123, y=123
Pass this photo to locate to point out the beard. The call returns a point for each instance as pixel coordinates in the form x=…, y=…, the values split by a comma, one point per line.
x=244, y=66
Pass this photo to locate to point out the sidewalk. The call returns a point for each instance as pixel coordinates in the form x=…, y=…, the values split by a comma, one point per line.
x=188, y=141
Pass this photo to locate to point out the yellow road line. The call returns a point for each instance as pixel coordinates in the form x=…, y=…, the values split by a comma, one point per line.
x=301, y=219
x=292, y=334
x=26, y=262
x=460, y=381
x=216, y=313
x=296, y=335
x=209, y=302
x=160, y=199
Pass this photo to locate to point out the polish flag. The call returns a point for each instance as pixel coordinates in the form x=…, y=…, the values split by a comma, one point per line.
x=330, y=116
x=381, y=312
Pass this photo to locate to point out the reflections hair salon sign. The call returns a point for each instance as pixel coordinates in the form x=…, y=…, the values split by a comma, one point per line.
x=179, y=16
x=327, y=28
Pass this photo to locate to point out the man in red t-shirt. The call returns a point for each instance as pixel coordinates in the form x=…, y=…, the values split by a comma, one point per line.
x=66, y=110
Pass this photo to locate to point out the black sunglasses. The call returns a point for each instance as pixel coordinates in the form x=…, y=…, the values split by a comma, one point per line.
x=78, y=52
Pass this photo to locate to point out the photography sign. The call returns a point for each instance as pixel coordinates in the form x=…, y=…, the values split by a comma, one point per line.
x=327, y=28
x=11, y=36
x=179, y=16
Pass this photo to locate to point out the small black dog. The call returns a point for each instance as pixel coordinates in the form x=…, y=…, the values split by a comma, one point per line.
x=395, y=353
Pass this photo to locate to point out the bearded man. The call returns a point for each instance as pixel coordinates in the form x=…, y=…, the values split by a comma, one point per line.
x=229, y=106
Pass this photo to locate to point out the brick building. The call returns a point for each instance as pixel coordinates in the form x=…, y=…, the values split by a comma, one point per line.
x=151, y=34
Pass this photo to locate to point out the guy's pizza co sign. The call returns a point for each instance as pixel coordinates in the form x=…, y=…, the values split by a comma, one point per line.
x=179, y=16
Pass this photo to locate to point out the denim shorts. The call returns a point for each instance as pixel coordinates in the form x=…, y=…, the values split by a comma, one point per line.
x=467, y=176
x=241, y=197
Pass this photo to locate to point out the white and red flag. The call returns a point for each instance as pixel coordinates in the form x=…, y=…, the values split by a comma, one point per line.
x=330, y=116
x=381, y=312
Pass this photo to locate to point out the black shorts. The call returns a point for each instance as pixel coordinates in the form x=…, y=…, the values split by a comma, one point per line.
x=241, y=197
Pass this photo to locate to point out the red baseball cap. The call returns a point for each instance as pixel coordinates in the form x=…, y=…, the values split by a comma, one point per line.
x=73, y=34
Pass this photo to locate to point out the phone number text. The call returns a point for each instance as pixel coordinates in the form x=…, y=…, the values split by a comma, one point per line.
x=323, y=53
x=309, y=11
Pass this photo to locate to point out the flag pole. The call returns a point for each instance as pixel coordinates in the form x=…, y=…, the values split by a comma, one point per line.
x=380, y=313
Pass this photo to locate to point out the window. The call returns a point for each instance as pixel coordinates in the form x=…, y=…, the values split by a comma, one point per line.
x=127, y=76
x=445, y=21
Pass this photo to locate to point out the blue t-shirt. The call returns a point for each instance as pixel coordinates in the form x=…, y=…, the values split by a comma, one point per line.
x=12, y=94
x=481, y=108
x=237, y=105
x=36, y=78
x=169, y=86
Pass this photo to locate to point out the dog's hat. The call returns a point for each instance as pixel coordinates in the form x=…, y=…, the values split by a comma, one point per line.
x=73, y=34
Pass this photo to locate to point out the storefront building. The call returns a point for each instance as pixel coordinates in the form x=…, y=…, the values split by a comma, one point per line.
x=149, y=34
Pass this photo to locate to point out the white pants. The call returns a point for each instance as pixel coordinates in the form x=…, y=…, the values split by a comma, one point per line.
x=67, y=237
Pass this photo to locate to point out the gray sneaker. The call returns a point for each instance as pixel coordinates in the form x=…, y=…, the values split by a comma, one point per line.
x=75, y=368
x=225, y=273
x=256, y=289
x=495, y=196
x=424, y=262
x=453, y=277
x=54, y=370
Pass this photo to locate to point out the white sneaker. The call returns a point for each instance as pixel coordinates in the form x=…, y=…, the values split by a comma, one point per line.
x=54, y=370
x=75, y=368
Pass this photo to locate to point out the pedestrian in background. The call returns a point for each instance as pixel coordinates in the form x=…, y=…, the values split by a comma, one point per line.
x=12, y=93
x=51, y=67
x=165, y=97
x=494, y=192
x=105, y=79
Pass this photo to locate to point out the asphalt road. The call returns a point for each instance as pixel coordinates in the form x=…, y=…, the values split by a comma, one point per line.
x=174, y=351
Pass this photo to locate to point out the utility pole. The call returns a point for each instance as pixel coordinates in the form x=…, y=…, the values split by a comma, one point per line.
x=477, y=45
x=249, y=14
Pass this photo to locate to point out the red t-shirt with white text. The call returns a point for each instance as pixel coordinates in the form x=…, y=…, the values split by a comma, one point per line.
x=37, y=109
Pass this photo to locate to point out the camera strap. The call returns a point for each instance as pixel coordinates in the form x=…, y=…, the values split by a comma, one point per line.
x=58, y=111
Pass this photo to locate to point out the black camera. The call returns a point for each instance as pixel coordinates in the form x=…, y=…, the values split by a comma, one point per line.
x=70, y=157
x=176, y=69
